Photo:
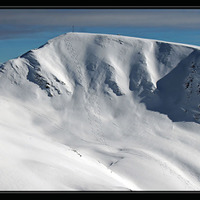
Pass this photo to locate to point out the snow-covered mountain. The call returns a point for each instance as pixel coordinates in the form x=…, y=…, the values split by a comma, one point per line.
x=101, y=112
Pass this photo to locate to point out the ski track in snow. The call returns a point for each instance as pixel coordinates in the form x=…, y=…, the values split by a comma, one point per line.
x=168, y=166
x=92, y=99
x=78, y=66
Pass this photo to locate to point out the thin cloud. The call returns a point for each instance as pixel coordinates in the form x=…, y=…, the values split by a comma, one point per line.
x=23, y=21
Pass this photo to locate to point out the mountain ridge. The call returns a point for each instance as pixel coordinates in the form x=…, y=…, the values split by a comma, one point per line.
x=65, y=38
x=122, y=64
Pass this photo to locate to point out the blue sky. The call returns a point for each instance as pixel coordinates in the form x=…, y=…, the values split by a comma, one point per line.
x=25, y=29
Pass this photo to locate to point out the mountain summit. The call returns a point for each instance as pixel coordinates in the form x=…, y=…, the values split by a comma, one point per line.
x=101, y=112
x=115, y=65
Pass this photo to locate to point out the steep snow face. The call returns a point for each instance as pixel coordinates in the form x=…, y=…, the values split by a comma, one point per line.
x=179, y=91
x=76, y=115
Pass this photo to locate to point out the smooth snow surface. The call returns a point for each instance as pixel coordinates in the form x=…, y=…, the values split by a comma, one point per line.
x=101, y=112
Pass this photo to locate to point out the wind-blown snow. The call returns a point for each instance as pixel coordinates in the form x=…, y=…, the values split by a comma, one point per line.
x=101, y=112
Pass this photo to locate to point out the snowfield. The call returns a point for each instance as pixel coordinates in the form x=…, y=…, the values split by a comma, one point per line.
x=101, y=112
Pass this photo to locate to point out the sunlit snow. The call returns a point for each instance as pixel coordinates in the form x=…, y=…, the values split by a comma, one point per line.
x=101, y=112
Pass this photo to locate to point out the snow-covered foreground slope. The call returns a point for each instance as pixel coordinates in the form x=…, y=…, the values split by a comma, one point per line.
x=101, y=112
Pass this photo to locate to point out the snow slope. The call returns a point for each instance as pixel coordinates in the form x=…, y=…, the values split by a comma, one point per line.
x=179, y=90
x=101, y=112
